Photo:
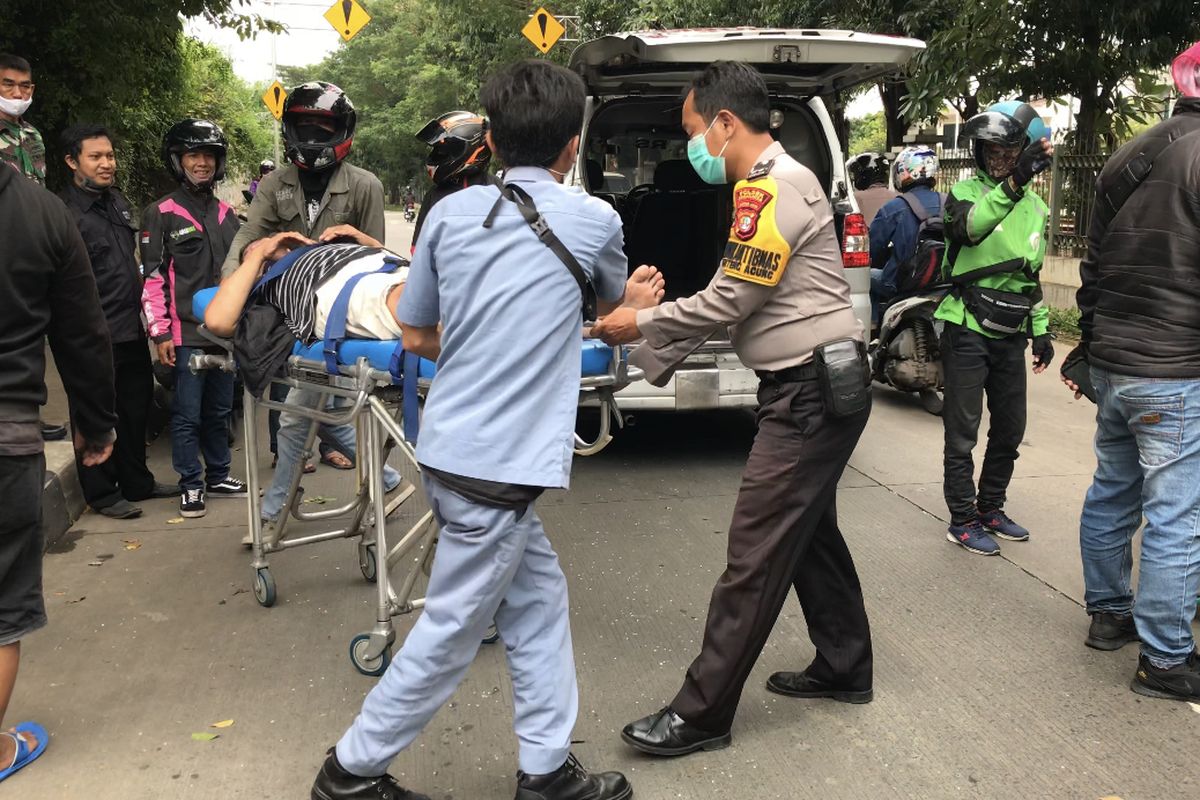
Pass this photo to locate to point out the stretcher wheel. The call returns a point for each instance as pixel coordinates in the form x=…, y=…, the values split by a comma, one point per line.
x=368, y=561
x=264, y=588
x=373, y=667
x=493, y=634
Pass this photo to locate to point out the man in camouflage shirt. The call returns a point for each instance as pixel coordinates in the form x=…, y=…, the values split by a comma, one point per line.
x=20, y=143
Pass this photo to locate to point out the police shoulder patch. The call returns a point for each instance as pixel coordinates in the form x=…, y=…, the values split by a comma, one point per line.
x=757, y=251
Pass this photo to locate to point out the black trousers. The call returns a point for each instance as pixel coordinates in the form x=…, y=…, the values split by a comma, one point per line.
x=974, y=365
x=784, y=535
x=22, y=608
x=125, y=473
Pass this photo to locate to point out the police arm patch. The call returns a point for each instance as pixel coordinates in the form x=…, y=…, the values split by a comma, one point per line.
x=757, y=251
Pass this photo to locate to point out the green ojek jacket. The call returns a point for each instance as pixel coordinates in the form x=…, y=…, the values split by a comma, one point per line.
x=988, y=223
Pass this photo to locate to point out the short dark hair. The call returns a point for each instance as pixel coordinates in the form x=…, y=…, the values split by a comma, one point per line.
x=8, y=61
x=534, y=109
x=73, y=137
x=736, y=87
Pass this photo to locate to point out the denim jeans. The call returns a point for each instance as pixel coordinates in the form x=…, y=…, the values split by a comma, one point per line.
x=279, y=393
x=200, y=422
x=293, y=431
x=1148, y=463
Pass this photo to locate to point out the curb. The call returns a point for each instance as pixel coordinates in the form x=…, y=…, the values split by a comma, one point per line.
x=62, y=499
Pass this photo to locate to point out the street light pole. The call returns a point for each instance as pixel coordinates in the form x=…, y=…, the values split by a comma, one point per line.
x=275, y=76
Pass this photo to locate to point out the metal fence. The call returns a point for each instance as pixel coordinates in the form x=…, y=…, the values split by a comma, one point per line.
x=1068, y=187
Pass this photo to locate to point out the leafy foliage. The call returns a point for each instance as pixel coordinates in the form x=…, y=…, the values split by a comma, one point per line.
x=867, y=134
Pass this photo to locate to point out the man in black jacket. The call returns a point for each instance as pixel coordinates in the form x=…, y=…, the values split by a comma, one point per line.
x=1140, y=317
x=46, y=289
x=105, y=222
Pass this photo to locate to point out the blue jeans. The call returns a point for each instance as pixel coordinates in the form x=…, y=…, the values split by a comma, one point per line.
x=1148, y=463
x=293, y=431
x=491, y=563
x=200, y=422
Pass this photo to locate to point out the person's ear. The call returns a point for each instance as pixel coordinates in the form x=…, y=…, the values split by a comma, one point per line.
x=573, y=147
x=72, y=164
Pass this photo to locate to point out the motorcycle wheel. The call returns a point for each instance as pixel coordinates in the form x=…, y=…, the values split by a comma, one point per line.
x=931, y=401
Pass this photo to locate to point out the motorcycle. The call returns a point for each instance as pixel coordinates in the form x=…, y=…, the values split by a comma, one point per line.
x=905, y=355
x=410, y=213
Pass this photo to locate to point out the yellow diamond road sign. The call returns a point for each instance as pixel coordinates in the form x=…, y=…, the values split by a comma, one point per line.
x=543, y=30
x=274, y=97
x=347, y=18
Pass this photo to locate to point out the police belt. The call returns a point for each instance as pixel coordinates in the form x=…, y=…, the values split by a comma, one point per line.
x=796, y=374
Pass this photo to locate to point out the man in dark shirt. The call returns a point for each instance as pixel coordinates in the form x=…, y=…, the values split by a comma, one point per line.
x=105, y=223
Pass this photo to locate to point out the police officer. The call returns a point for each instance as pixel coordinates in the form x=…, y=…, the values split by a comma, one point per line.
x=781, y=291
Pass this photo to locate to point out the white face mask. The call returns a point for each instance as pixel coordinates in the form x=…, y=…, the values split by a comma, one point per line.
x=14, y=108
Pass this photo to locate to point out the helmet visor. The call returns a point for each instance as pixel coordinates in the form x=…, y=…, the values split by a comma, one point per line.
x=992, y=126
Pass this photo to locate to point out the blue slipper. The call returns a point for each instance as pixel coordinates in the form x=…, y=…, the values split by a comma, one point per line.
x=24, y=754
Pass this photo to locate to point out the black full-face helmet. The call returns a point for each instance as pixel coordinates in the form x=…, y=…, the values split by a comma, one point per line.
x=318, y=125
x=1009, y=124
x=458, y=146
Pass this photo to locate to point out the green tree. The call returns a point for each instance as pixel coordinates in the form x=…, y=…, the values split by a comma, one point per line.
x=867, y=134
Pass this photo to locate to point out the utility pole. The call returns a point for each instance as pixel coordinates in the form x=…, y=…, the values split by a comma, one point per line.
x=275, y=76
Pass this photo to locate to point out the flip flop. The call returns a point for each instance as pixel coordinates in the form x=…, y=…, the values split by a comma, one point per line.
x=328, y=459
x=309, y=468
x=24, y=755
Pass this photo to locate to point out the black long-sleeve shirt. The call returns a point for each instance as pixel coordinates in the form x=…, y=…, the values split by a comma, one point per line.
x=47, y=290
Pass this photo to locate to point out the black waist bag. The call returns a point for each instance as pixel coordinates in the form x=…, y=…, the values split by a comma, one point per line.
x=844, y=375
x=996, y=311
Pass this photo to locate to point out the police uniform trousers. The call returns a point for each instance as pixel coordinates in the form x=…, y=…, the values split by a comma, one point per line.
x=491, y=563
x=784, y=535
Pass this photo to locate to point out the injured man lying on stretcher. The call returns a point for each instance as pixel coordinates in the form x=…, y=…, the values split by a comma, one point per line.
x=302, y=297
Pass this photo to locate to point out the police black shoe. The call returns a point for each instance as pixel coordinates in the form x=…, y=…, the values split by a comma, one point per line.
x=572, y=782
x=665, y=733
x=801, y=684
x=53, y=433
x=335, y=783
x=1110, y=631
x=1180, y=682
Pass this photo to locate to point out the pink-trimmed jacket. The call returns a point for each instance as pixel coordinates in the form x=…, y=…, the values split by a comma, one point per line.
x=185, y=237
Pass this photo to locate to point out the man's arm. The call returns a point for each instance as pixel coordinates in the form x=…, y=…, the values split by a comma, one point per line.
x=419, y=309
x=881, y=230
x=425, y=341
x=79, y=340
x=262, y=220
x=968, y=223
x=225, y=310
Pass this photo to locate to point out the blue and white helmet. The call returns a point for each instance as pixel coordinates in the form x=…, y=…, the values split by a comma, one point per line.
x=914, y=165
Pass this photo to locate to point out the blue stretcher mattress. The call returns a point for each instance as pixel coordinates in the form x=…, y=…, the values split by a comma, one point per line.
x=597, y=356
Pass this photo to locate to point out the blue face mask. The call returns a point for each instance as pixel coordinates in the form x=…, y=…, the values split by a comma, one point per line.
x=710, y=168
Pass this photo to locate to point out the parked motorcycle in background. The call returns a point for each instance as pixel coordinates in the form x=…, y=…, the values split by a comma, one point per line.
x=906, y=355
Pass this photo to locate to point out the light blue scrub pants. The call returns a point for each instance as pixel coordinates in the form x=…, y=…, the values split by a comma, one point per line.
x=491, y=563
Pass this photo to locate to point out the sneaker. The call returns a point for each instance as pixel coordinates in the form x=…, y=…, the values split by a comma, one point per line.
x=972, y=536
x=1110, y=631
x=191, y=504
x=1180, y=682
x=1000, y=524
x=229, y=486
x=122, y=509
x=335, y=783
x=572, y=782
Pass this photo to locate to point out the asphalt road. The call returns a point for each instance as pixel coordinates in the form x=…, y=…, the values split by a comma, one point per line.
x=983, y=686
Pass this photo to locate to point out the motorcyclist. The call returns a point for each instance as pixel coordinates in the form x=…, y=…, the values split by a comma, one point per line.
x=265, y=166
x=458, y=157
x=995, y=234
x=869, y=176
x=894, y=229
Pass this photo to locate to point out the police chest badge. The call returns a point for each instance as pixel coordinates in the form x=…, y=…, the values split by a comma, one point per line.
x=748, y=205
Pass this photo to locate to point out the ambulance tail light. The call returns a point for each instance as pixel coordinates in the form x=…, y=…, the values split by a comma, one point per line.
x=856, y=247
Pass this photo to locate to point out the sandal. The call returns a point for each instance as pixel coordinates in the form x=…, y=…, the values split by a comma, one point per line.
x=337, y=460
x=24, y=755
x=309, y=467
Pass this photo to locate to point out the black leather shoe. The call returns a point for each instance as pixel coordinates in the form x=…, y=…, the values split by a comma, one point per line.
x=122, y=509
x=162, y=490
x=1110, y=631
x=665, y=733
x=1180, y=682
x=800, y=684
x=53, y=433
x=572, y=782
x=335, y=783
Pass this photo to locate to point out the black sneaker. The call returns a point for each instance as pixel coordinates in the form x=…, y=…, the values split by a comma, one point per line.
x=572, y=782
x=335, y=783
x=191, y=504
x=1180, y=682
x=229, y=486
x=122, y=509
x=1110, y=631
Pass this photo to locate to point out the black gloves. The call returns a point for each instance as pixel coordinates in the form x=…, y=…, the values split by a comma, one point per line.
x=1043, y=350
x=1033, y=160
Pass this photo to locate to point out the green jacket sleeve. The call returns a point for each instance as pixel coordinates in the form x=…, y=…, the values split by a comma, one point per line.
x=968, y=223
x=370, y=203
x=262, y=220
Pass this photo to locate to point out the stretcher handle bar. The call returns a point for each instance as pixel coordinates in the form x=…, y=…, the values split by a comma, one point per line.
x=300, y=541
x=327, y=513
x=341, y=417
x=391, y=427
x=203, y=361
x=604, y=436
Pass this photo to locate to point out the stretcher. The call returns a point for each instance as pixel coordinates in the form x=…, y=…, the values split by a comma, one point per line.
x=375, y=387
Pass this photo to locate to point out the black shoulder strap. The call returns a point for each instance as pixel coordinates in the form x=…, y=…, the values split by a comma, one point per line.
x=541, y=227
x=918, y=208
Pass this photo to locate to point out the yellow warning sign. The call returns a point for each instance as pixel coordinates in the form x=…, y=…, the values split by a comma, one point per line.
x=347, y=18
x=543, y=29
x=274, y=97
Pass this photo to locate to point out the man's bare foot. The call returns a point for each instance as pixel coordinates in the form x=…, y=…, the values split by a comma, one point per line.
x=645, y=287
x=8, y=747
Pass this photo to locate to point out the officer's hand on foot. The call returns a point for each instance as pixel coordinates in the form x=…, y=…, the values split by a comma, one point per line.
x=619, y=327
x=1043, y=353
x=645, y=287
x=1034, y=159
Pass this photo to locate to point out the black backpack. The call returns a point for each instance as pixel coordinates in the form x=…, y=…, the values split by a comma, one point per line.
x=923, y=268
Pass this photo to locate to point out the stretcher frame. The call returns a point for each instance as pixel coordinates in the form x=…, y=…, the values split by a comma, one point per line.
x=369, y=399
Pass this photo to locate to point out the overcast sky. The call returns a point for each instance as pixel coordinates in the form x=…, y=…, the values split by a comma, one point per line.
x=310, y=38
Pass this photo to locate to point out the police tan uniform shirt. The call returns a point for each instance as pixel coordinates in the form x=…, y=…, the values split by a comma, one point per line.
x=354, y=197
x=780, y=286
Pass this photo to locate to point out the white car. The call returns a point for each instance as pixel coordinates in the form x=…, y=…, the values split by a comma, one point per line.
x=677, y=222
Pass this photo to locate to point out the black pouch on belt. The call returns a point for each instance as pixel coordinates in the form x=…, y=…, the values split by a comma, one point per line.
x=996, y=311
x=844, y=375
